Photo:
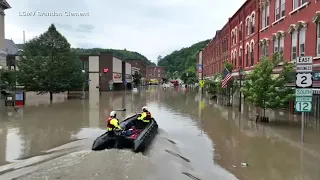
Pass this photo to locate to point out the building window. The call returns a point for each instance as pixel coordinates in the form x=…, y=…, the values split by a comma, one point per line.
x=294, y=38
x=266, y=48
x=275, y=45
x=280, y=7
x=248, y=26
x=247, y=56
x=295, y=4
x=318, y=39
x=236, y=35
x=283, y=8
x=252, y=23
x=158, y=75
x=240, y=57
x=262, y=51
x=158, y=70
x=240, y=33
x=265, y=16
x=281, y=49
x=302, y=42
x=252, y=54
x=277, y=10
x=235, y=59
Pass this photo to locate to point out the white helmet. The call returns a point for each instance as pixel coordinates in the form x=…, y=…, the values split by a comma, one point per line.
x=145, y=108
x=113, y=113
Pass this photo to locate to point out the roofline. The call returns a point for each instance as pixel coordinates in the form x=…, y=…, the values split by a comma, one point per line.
x=246, y=2
x=5, y=4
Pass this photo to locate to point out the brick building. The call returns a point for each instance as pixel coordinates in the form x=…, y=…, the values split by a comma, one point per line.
x=262, y=27
x=138, y=63
x=155, y=72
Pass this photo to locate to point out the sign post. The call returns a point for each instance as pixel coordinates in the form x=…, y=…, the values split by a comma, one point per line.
x=304, y=90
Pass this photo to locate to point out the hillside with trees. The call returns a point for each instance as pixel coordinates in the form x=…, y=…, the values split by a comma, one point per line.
x=182, y=63
x=123, y=54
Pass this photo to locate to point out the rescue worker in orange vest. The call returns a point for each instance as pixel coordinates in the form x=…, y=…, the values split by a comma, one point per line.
x=113, y=123
x=145, y=116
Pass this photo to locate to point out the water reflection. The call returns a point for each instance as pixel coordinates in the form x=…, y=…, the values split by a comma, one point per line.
x=15, y=145
x=272, y=152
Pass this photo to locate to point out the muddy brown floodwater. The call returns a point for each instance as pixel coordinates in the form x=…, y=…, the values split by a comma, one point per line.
x=43, y=141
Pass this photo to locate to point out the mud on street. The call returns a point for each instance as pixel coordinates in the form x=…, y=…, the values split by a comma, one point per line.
x=53, y=141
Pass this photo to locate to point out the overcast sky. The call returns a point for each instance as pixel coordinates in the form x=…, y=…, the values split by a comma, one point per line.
x=150, y=27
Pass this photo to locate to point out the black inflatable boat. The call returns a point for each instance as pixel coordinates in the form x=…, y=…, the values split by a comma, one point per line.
x=137, y=139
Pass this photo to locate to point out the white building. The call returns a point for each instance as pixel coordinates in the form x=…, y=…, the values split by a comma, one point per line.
x=3, y=54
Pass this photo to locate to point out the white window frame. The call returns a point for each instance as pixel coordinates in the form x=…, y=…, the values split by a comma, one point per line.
x=236, y=35
x=275, y=45
x=268, y=15
x=277, y=10
x=263, y=17
x=302, y=41
x=281, y=44
x=318, y=39
x=294, y=43
x=266, y=48
x=295, y=4
x=282, y=8
x=253, y=23
x=252, y=54
x=248, y=29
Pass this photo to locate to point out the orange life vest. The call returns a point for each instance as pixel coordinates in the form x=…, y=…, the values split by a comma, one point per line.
x=148, y=117
x=108, y=123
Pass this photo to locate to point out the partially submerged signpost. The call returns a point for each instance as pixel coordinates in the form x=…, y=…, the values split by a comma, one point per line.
x=304, y=90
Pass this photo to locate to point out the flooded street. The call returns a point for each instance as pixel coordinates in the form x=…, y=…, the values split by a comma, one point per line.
x=44, y=141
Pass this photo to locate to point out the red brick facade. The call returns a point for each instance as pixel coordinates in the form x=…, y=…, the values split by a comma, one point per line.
x=137, y=63
x=155, y=72
x=262, y=27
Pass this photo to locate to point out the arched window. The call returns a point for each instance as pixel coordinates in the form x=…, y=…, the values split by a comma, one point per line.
x=248, y=26
x=247, y=55
x=253, y=22
x=252, y=53
x=235, y=58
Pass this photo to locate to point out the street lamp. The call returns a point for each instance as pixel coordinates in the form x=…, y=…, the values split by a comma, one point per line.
x=240, y=84
x=83, y=85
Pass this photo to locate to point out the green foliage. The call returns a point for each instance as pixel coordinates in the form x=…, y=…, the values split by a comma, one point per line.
x=137, y=78
x=47, y=64
x=266, y=90
x=183, y=59
x=189, y=76
x=7, y=79
x=123, y=54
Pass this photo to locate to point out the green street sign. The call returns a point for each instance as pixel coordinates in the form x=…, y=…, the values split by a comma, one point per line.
x=304, y=92
x=303, y=106
x=303, y=99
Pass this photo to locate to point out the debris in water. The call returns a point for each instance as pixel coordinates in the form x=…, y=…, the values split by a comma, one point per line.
x=234, y=166
x=244, y=164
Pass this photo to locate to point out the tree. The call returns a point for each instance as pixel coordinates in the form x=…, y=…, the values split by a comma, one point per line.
x=7, y=79
x=137, y=78
x=188, y=76
x=159, y=59
x=123, y=54
x=183, y=59
x=264, y=89
x=47, y=64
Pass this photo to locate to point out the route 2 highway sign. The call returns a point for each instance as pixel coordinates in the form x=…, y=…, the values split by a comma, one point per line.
x=303, y=106
x=303, y=80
